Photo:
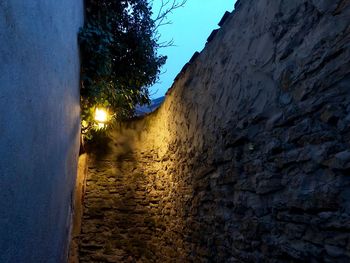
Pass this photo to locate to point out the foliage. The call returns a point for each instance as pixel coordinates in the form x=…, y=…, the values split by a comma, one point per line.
x=119, y=57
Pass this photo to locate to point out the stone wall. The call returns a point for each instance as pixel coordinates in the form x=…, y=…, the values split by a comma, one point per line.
x=39, y=127
x=248, y=158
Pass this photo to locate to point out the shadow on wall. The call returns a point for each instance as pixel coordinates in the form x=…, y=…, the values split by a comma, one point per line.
x=99, y=146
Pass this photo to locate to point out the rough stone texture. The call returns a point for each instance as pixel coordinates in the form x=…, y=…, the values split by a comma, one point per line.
x=39, y=132
x=248, y=158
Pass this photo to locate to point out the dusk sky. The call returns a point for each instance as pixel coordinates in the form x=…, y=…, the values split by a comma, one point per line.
x=191, y=26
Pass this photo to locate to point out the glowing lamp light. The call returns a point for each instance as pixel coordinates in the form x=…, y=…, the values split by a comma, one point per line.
x=101, y=117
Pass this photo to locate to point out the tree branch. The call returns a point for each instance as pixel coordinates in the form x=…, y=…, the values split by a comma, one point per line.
x=166, y=8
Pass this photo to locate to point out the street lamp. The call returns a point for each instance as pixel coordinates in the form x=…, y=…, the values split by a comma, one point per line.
x=101, y=117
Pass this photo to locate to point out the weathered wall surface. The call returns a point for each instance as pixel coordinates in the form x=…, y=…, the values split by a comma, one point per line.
x=39, y=133
x=247, y=160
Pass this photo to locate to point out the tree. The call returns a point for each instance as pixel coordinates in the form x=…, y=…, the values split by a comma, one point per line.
x=119, y=43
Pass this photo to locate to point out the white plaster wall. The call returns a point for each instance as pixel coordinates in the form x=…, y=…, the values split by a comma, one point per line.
x=39, y=126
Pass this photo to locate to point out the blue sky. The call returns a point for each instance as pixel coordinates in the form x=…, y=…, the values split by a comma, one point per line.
x=191, y=26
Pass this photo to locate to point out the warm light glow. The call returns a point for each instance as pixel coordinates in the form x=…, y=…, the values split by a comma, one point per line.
x=101, y=125
x=101, y=115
